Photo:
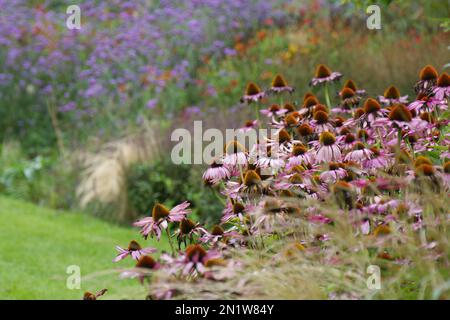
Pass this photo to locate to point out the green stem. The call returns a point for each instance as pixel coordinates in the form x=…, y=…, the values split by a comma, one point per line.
x=170, y=241
x=327, y=96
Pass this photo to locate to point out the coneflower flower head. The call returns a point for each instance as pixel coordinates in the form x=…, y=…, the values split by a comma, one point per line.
x=392, y=96
x=422, y=160
x=234, y=147
x=392, y=93
x=159, y=211
x=447, y=167
x=442, y=90
x=299, y=150
x=284, y=136
x=321, y=117
x=186, y=226
x=371, y=106
x=217, y=230
x=305, y=130
x=322, y=71
x=146, y=262
x=289, y=107
x=428, y=77
x=251, y=178
x=428, y=73
x=443, y=80
x=327, y=138
x=400, y=113
x=280, y=85
x=352, y=85
x=320, y=107
x=323, y=74
x=252, y=93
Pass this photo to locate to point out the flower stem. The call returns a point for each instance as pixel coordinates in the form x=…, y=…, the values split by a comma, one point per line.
x=327, y=96
x=170, y=241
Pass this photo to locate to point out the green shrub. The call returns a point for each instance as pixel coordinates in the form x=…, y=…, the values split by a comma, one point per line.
x=165, y=182
x=45, y=179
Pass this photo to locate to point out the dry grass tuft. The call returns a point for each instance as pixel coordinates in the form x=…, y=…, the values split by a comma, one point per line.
x=103, y=179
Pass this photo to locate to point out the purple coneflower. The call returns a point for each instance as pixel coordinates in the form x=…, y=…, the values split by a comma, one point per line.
x=372, y=111
x=195, y=260
x=442, y=90
x=324, y=75
x=321, y=122
x=235, y=154
x=428, y=78
x=349, y=99
x=309, y=102
x=392, y=96
x=142, y=268
x=359, y=153
x=328, y=149
x=352, y=85
x=280, y=85
x=161, y=216
x=426, y=103
x=300, y=155
x=90, y=296
x=187, y=229
x=379, y=160
x=218, y=233
x=334, y=173
x=252, y=93
x=249, y=125
x=273, y=111
x=216, y=172
x=134, y=250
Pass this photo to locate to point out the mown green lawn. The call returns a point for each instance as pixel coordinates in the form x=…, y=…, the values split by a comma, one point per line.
x=37, y=245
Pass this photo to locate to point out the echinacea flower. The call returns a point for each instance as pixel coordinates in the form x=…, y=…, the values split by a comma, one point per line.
x=321, y=122
x=328, y=150
x=188, y=229
x=372, y=111
x=427, y=103
x=352, y=85
x=428, y=78
x=216, y=173
x=392, y=96
x=235, y=209
x=349, y=99
x=161, y=216
x=308, y=105
x=249, y=125
x=324, y=75
x=442, y=89
x=142, y=269
x=400, y=115
x=359, y=153
x=379, y=160
x=134, y=250
x=300, y=155
x=273, y=111
x=334, y=173
x=252, y=93
x=218, y=233
x=193, y=262
x=90, y=296
x=280, y=85
x=235, y=154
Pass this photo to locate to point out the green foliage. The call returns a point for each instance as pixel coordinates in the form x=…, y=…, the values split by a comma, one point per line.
x=170, y=184
x=44, y=179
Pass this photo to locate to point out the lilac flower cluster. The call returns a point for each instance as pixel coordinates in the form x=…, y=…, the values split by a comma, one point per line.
x=123, y=49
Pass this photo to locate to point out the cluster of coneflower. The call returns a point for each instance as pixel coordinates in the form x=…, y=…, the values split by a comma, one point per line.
x=360, y=152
